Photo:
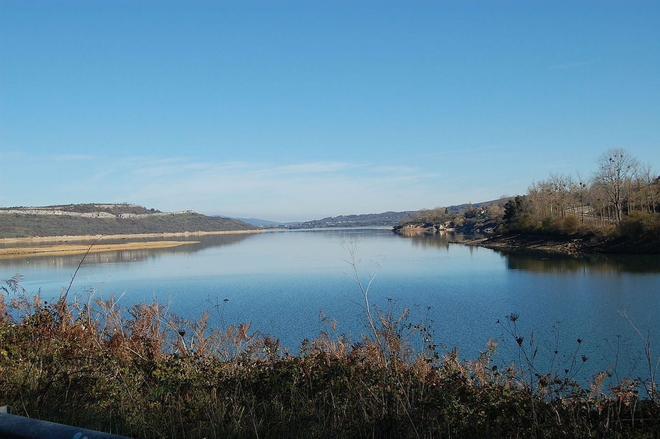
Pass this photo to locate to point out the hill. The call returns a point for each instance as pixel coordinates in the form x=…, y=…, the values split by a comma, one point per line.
x=360, y=220
x=106, y=219
x=470, y=218
x=461, y=208
x=258, y=222
x=388, y=219
x=86, y=209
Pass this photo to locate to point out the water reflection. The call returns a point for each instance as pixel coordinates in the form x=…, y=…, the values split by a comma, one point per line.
x=281, y=281
x=529, y=262
x=538, y=262
x=122, y=256
x=603, y=264
x=440, y=241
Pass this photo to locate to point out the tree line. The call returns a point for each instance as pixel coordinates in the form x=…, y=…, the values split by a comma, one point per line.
x=622, y=190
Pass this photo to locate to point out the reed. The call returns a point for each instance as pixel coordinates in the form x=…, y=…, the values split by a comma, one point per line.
x=143, y=372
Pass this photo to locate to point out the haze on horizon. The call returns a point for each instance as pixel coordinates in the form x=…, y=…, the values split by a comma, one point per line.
x=303, y=110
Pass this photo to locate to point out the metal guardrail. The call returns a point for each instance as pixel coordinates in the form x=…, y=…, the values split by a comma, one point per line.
x=20, y=427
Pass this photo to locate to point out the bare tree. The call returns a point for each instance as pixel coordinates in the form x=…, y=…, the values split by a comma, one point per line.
x=615, y=172
x=580, y=189
x=620, y=187
x=647, y=188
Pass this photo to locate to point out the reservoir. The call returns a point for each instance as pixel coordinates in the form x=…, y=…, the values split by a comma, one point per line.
x=290, y=285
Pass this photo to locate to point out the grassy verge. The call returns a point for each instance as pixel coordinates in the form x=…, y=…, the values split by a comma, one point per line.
x=143, y=373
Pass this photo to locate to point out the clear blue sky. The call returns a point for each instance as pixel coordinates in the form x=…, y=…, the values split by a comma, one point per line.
x=294, y=110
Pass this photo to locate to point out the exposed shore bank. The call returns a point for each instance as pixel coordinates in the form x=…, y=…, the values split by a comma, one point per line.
x=121, y=237
x=560, y=245
x=572, y=247
x=77, y=249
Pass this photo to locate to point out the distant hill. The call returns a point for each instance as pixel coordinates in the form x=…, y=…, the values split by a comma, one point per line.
x=385, y=219
x=460, y=208
x=482, y=218
x=88, y=209
x=360, y=220
x=106, y=219
x=260, y=222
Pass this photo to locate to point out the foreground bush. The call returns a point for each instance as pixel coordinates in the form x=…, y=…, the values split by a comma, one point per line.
x=142, y=374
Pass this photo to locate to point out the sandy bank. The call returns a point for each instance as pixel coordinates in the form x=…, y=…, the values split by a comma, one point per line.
x=73, y=238
x=67, y=250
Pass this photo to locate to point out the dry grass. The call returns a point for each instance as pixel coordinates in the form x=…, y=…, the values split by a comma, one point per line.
x=145, y=373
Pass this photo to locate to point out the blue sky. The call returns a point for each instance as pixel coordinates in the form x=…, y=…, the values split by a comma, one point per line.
x=296, y=110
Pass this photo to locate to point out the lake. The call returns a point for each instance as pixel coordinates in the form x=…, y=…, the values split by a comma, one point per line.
x=283, y=282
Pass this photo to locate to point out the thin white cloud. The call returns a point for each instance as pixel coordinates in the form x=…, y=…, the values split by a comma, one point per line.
x=71, y=157
x=311, y=168
x=278, y=191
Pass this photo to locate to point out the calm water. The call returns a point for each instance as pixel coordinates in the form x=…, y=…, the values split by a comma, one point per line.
x=282, y=282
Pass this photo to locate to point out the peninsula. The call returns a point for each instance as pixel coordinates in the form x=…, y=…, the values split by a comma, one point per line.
x=616, y=211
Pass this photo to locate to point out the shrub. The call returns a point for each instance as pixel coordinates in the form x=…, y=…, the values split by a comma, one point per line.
x=570, y=225
x=638, y=225
x=145, y=374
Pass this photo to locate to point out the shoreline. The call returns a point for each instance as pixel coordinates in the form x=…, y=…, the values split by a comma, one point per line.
x=569, y=247
x=72, y=250
x=574, y=246
x=125, y=236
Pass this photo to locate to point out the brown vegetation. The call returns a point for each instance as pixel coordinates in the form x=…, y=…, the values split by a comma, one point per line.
x=618, y=210
x=622, y=198
x=144, y=373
